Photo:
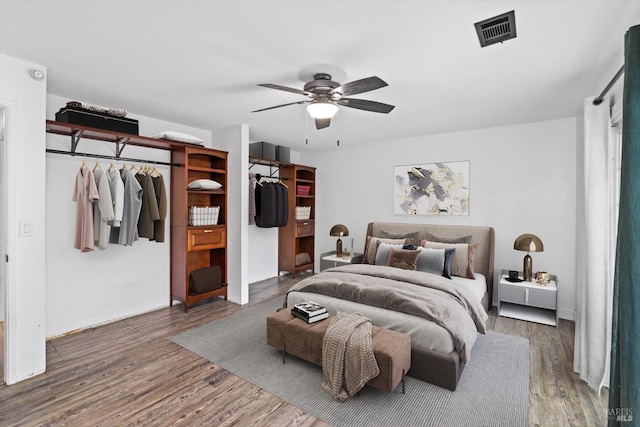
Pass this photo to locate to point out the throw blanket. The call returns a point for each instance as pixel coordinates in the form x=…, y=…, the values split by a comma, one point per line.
x=347, y=356
x=433, y=297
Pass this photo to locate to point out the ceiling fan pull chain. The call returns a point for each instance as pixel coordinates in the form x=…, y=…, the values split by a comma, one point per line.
x=338, y=140
x=306, y=128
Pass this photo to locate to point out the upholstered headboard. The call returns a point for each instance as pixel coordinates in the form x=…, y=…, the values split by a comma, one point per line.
x=484, y=237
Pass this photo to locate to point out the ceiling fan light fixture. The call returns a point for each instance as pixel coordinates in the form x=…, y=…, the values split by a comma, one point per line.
x=322, y=109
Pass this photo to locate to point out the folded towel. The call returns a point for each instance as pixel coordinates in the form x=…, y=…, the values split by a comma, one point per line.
x=118, y=112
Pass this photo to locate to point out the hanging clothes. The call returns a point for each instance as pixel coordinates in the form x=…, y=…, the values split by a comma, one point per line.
x=272, y=205
x=102, y=210
x=161, y=199
x=127, y=233
x=149, y=209
x=116, y=188
x=252, y=199
x=85, y=193
x=266, y=205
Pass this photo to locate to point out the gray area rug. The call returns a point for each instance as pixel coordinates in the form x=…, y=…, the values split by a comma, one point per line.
x=493, y=389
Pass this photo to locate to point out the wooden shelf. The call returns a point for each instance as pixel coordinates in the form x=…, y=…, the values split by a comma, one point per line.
x=297, y=236
x=268, y=162
x=197, y=246
x=78, y=131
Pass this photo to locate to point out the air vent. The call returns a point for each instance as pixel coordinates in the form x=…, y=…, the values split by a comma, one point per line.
x=497, y=29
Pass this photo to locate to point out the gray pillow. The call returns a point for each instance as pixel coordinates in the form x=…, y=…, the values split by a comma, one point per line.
x=394, y=235
x=372, y=246
x=382, y=254
x=442, y=239
x=431, y=261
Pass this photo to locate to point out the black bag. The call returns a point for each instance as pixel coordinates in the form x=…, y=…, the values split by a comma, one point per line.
x=205, y=279
x=96, y=119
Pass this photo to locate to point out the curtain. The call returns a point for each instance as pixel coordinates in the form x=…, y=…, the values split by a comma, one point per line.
x=595, y=246
x=624, y=395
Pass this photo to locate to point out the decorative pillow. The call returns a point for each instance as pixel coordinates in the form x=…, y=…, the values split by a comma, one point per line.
x=205, y=279
x=382, y=253
x=448, y=255
x=442, y=239
x=393, y=235
x=179, y=137
x=431, y=261
x=372, y=246
x=204, y=184
x=405, y=259
x=462, y=260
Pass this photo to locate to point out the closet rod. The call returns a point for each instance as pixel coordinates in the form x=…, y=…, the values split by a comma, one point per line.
x=260, y=176
x=119, y=159
x=613, y=81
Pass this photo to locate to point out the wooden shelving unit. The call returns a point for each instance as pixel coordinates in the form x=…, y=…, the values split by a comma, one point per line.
x=297, y=236
x=194, y=247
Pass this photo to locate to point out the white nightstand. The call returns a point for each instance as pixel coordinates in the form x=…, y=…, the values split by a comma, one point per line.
x=528, y=300
x=329, y=260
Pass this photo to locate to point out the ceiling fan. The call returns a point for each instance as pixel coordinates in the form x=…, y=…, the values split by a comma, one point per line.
x=326, y=95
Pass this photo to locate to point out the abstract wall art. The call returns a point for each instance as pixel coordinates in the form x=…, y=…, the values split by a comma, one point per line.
x=431, y=189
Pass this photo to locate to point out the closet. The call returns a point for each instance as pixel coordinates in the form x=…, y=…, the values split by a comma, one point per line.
x=192, y=247
x=297, y=237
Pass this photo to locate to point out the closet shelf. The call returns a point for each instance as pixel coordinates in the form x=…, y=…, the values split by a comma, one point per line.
x=267, y=162
x=77, y=131
x=189, y=191
x=203, y=169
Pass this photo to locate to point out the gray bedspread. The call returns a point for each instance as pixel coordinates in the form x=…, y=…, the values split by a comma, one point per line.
x=429, y=296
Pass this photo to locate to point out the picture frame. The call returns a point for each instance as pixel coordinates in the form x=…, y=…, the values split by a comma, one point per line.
x=440, y=188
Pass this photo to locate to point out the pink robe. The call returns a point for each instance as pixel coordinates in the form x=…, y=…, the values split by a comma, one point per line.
x=84, y=193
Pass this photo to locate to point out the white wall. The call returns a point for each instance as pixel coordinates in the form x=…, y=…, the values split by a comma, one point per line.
x=92, y=288
x=25, y=100
x=235, y=140
x=522, y=180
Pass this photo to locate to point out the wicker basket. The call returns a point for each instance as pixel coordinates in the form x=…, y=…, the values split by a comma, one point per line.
x=203, y=215
x=303, y=212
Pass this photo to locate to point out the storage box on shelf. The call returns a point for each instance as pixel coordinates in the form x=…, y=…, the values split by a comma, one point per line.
x=197, y=242
x=299, y=234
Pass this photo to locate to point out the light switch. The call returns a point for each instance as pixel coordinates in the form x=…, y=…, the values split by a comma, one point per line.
x=26, y=229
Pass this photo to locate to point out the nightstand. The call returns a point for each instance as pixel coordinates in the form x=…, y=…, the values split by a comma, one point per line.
x=329, y=260
x=528, y=300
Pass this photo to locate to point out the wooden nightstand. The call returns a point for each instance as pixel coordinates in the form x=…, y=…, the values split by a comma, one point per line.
x=329, y=260
x=528, y=300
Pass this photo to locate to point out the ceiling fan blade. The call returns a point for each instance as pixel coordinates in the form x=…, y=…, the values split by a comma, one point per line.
x=363, y=104
x=286, y=89
x=282, y=105
x=322, y=123
x=360, y=86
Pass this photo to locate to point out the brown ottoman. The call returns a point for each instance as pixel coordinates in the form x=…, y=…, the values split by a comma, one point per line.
x=295, y=336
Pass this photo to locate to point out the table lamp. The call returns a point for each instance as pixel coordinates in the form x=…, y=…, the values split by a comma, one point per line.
x=528, y=243
x=339, y=230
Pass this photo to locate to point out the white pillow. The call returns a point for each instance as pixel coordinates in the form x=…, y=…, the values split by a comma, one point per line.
x=178, y=136
x=204, y=184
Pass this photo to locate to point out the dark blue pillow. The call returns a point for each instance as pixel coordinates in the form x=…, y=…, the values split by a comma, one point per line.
x=448, y=254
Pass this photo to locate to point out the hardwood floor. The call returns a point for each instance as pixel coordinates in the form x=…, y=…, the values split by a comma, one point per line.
x=130, y=373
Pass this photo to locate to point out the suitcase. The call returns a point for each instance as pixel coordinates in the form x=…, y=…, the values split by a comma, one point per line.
x=95, y=119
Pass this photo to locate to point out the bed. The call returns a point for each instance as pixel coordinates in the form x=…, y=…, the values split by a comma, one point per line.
x=439, y=347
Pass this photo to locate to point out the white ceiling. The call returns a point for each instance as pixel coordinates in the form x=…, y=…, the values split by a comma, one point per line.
x=198, y=62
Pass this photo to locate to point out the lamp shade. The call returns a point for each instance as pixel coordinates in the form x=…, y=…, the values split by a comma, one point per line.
x=322, y=109
x=339, y=230
x=528, y=243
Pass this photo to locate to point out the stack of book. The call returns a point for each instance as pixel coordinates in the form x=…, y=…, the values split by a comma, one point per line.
x=309, y=311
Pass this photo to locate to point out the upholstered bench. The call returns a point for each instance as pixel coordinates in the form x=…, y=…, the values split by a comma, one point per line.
x=295, y=336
